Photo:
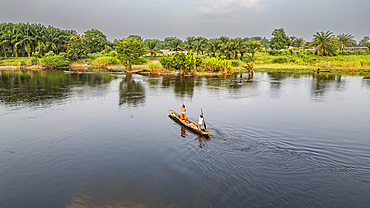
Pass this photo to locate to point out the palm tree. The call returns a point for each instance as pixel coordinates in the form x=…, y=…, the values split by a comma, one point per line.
x=152, y=45
x=240, y=47
x=364, y=40
x=253, y=47
x=200, y=44
x=26, y=37
x=345, y=39
x=298, y=42
x=227, y=47
x=5, y=38
x=15, y=39
x=212, y=47
x=243, y=48
x=172, y=43
x=322, y=41
x=54, y=39
x=189, y=43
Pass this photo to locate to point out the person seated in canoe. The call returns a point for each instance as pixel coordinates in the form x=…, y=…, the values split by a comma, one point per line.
x=200, y=122
x=183, y=112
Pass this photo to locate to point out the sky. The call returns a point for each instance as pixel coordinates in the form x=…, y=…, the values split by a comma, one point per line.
x=158, y=19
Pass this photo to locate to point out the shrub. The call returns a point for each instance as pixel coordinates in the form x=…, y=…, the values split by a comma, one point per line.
x=235, y=63
x=248, y=59
x=154, y=66
x=105, y=60
x=280, y=60
x=308, y=52
x=34, y=60
x=93, y=55
x=52, y=61
x=198, y=61
x=166, y=62
x=113, y=53
x=36, y=54
x=360, y=52
x=274, y=52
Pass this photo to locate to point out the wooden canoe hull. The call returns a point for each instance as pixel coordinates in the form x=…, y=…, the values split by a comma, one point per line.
x=71, y=72
x=188, y=123
x=318, y=71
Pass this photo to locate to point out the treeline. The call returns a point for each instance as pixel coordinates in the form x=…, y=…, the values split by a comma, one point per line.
x=25, y=39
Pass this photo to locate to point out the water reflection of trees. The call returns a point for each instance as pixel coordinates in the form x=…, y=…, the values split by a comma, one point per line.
x=366, y=81
x=319, y=84
x=322, y=82
x=233, y=82
x=131, y=92
x=276, y=82
x=35, y=88
x=277, y=79
x=183, y=86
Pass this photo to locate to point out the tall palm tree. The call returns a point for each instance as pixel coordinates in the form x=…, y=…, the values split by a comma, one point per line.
x=172, y=43
x=322, y=40
x=364, y=40
x=243, y=48
x=345, y=39
x=226, y=47
x=152, y=46
x=189, y=43
x=200, y=44
x=5, y=38
x=253, y=47
x=38, y=32
x=15, y=39
x=26, y=37
x=298, y=42
x=212, y=47
x=54, y=39
x=240, y=48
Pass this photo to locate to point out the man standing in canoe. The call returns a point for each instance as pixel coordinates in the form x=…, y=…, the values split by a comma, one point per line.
x=183, y=112
x=200, y=122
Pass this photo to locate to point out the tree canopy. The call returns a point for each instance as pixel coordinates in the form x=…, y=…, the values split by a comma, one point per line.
x=325, y=43
x=129, y=51
x=95, y=40
x=345, y=39
x=30, y=39
x=280, y=39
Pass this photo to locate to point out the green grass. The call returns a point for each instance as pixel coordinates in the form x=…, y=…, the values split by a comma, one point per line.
x=13, y=61
x=262, y=62
x=104, y=61
x=306, y=62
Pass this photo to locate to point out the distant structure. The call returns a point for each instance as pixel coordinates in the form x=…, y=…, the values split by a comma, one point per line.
x=178, y=49
x=355, y=47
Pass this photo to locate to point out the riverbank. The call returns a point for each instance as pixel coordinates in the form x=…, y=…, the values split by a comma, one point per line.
x=262, y=62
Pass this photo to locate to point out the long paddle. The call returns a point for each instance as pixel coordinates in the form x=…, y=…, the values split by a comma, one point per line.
x=205, y=126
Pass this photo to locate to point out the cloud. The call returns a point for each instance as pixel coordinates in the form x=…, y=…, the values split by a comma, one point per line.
x=229, y=6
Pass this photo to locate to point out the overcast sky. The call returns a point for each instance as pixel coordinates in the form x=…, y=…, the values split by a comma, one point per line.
x=182, y=18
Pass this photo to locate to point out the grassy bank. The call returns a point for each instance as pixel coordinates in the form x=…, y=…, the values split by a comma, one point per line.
x=263, y=61
x=345, y=63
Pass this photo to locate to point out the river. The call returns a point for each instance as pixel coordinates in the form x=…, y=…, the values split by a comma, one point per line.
x=105, y=140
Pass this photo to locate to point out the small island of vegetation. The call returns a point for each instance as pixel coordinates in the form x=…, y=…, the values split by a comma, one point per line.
x=36, y=47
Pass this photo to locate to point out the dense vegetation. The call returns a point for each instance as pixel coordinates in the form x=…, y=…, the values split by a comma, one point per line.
x=55, y=47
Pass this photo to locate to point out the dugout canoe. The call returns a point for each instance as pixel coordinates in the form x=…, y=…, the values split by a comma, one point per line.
x=188, y=123
x=72, y=72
